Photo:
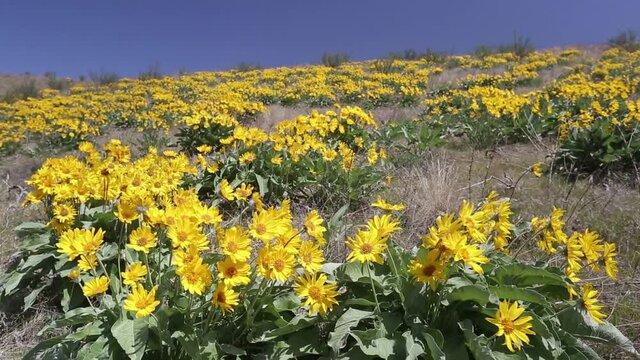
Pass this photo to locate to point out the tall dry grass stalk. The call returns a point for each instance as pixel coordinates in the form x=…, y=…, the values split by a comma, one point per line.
x=428, y=190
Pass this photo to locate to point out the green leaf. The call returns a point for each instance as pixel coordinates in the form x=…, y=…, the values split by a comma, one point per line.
x=525, y=275
x=36, y=261
x=94, y=350
x=88, y=331
x=575, y=348
x=288, y=302
x=79, y=316
x=515, y=293
x=38, y=242
x=580, y=323
x=262, y=185
x=210, y=350
x=359, y=302
x=33, y=295
x=370, y=343
x=232, y=350
x=347, y=321
x=132, y=336
x=357, y=272
x=12, y=282
x=336, y=219
x=38, y=350
x=296, y=324
x=470, y=293
x=453, y=348
x=400, y=258
x=306, y=342
x=434, y=347
x=410, y=348
x=72, y=296
x=478, y=345
x=189, y=342
x=27, y=228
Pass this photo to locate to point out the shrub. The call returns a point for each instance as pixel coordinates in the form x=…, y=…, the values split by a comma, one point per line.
x=482, y=51
x=433, y=56
x=521, y=46
x=600, y=149
x=334, y=59
x=22, y=90
x=627, y=40
x=103, y=77
x=152, y=72
x=245, y=66
x=53, y=82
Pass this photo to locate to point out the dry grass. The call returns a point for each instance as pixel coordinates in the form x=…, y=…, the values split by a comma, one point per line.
x=19, y=333
x=427, y=190
x=11, y=215
x=10, y=81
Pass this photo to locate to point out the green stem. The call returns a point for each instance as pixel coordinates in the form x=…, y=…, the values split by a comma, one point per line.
x=213, y=315
x=393, y=262
x=146, y=262
x=373, y=288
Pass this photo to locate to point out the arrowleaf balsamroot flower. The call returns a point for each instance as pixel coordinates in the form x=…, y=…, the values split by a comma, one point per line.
x=195, y=276
x=537, y=169
x=473, y=221
x=268, y=224
x=226, y=190
x=430, y=269
x=609, y=260
x=233, y=273
x=135, y=272
x=243, y=192
x=78, y=242
x=235, y=244
x=142, y=302
x=275, y=263
x=592, y=247
x=96, y=286
x=142, y=239
x=310, y=257
x=209, y=215
x=64, y=212
x=471, y=255
x=512, y=325
x=384, y=205
x=185, y=233
x=127, y=212
x=383, y=225
x=590, y=303
x=290, y=240
x=225, y=298
x=573, y=253
x=320, y=295
x=366, y=246
x=313, y=224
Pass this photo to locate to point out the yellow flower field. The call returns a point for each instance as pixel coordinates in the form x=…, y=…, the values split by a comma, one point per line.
x=239, y=240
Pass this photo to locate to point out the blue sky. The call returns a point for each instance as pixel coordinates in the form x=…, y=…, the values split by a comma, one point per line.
x=73, y=37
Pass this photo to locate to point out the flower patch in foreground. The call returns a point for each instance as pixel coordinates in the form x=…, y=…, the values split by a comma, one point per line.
x=512, y=325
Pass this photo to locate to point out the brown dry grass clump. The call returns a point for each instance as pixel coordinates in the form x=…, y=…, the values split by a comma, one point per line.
x=428, y=190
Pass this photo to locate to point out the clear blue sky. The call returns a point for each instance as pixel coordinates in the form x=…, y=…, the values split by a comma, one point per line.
x=73, y=37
